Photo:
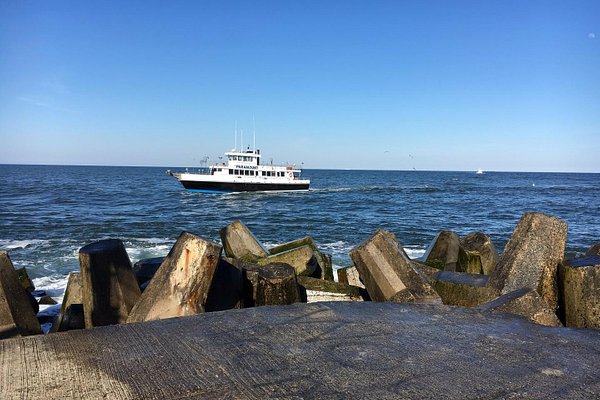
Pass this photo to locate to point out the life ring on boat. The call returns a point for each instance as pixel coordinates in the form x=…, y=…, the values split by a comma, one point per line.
x=290, y=175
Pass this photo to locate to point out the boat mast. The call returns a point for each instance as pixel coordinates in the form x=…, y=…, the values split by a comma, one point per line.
x=235, y=147
x=242, y=140
x=254, y=133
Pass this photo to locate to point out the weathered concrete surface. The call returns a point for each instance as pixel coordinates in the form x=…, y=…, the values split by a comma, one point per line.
x=443, y=251
x=69, y=316
x=180, y=286
x=593, y=251
x=227, y=288
x=319, y=290
x=17, y=317
x=532, y=256
x=276, y=285
x=477, y=254
x=302, y=259
x=387, y=271
x=25, y=280
x=526, y=303
x=580, y=284
x=309, y=351
x=323, y=260
x=145, y=269
x=239, y=242
x=461, y=289
x=425, y=270
x=349, y=276
x=109, y=288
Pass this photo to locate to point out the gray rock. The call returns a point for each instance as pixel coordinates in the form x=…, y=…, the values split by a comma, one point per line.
x=325, y=267
x=69, y=317
x=181, y=284
x=145, y=269
x=477, y=254
x=25, y=280
x=276, y=285
x=580, y=287
x=226, y=289
x=302, y=259
x=324, y=290
x=47, y=300
x=442, y=253
x=349, y=276
x=17, y=318
x=462, y=289
x=532, y=256
x=593, y=251
x=239, y=242
x=526, y=303
x=387, y=271
x=109, y=287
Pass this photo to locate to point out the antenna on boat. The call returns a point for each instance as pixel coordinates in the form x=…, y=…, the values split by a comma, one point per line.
x=242, y=140
x=254, y=133
x=235, y=147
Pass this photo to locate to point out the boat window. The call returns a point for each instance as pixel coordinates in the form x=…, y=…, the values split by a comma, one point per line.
x=230, y=171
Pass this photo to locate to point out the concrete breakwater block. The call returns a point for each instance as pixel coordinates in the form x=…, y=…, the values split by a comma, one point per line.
x=239, y=242
x=109, y=287
x=580, y=287
x=25, y=280
x=349, y=276
x=145, y=269
x=526, y=303
x=462, y=289
x=314, y=289
x=387, y=272
x=443, y=251
x=532, y=256
x=302, y=259
x=71, y=314
x=337, y=350
x=181, y=284
x=477, y=254
x=593, y=251
x=323, y=260
x=17, y=317
x=269, y=284
x=226, y=289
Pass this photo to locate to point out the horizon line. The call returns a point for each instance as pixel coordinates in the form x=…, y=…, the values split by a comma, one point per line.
x=327, y=169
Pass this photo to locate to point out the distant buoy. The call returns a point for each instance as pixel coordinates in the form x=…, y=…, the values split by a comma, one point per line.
x=533, y=185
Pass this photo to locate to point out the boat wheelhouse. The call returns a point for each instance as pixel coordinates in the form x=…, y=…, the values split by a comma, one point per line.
x=243, y=172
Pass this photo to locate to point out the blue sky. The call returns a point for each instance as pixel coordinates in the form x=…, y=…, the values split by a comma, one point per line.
x=443, y=85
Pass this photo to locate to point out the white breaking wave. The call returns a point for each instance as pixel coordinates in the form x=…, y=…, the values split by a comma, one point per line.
x=54, y=285
x=6, y=244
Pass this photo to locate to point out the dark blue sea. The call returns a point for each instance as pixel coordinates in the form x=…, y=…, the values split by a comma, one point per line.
x=48, y=212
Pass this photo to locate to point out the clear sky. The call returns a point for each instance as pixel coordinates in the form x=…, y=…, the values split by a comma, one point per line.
x=507, y=85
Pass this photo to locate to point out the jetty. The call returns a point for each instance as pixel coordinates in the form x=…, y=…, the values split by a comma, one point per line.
x=235, y=320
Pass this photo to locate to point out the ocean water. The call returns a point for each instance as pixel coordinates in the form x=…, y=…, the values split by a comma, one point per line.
x=48, y=212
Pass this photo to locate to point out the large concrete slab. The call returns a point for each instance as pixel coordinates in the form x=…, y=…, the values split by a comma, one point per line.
x=387, y=271
x=532, y=256
x=337, y=350
x=181, y=284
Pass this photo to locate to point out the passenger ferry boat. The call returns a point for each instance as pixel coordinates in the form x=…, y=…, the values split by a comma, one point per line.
x=243, y=172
